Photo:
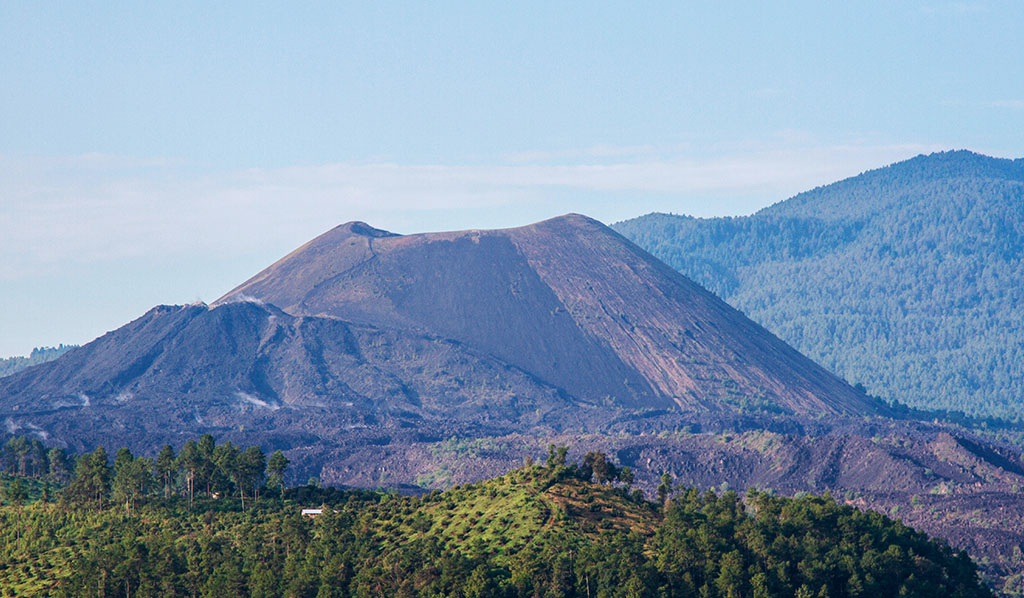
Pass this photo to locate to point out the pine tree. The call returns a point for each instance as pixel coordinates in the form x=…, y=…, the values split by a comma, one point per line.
x=249, y=471
x=37, y=453
x=99, y=474
x=17, y=451
x=132, y=477
x=207, y=468
x=92, y=478
x=123, y=462
x=57, y=460
x=276, y=466
x=189, y=461
x=664, y=489
x=226, y=458
x=15, y=492
x=165, y=468
x=626, y=477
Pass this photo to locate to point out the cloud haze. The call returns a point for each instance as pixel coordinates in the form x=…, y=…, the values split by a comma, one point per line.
x=92, y=241
x=98, y=208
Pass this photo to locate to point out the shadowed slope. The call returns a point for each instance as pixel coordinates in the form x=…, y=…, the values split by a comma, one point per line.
x=245, y=365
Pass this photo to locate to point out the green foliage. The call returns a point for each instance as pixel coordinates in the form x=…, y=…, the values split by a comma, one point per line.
x=190, y=462
x=908, y=279
x=133, y=477
x=166, y=468
x=523, y=534
x=556, y=456
x=276, y=466
x=10, y=365
x=664, y=489
x=91, y=483
x=203, y=469
x=15, y=492
x=26, y=457
x=626, y=477
x=596, y=466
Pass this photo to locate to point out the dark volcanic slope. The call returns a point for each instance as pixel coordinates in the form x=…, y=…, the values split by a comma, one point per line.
x=908, y=279
x=182, y=370
x=562, y=323
x=567, y=300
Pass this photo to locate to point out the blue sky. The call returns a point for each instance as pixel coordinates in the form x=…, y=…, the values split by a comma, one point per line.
x=162, y=153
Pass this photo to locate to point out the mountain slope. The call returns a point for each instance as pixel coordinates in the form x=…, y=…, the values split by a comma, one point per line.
x=359, y=332
x=567, y=300
x=908, y=279
x=245, y=365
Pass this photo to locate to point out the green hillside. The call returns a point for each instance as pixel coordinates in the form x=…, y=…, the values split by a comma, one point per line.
x=908, y=279
x=547, y=530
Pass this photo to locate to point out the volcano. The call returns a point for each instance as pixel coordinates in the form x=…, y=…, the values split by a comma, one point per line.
x=567, y=300
x=361, y=329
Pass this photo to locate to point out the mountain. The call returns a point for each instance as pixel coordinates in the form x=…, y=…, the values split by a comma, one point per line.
x=567, y=300
x=557, y=323
x=295, y=380
x=907, y=279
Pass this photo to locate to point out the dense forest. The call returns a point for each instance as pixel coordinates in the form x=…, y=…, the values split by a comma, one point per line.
x=908, y=279
x=9, y=365
x=176, y=526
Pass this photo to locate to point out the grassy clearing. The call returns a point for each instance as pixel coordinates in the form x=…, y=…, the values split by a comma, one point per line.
x=506, y=514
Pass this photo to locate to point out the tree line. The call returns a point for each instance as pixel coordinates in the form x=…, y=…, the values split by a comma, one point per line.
x=10, y=365
x=380, y=544
x=201, y=468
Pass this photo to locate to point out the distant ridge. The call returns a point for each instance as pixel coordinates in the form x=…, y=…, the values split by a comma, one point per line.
x=908, y=279
x=882, y=189
x=9, y=365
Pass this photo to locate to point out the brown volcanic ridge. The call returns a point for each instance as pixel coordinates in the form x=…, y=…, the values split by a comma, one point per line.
x=568, y=301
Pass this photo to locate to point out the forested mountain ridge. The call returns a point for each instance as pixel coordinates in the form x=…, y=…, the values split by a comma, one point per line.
x=907, y=279
x=10, y=365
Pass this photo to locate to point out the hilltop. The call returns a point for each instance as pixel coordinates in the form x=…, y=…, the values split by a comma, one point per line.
x=907, y=279
x=540, y=530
